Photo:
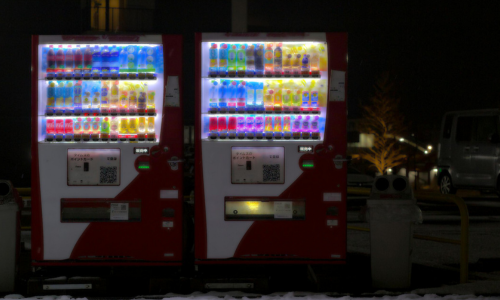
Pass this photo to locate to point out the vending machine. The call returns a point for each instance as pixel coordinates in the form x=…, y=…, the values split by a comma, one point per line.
x=106, y=150
x=270, y=148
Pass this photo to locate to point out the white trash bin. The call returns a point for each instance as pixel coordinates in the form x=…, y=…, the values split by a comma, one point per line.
x=392, y=215
x=8, y=238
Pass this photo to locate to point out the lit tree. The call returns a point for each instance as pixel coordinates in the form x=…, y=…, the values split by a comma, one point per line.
x=383, y=119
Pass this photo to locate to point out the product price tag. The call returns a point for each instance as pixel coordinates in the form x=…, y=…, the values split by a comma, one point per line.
x=118, y=211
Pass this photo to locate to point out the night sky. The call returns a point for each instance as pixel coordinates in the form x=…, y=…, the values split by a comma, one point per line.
x=444, y=53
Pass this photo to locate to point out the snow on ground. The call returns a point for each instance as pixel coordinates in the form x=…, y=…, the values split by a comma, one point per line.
x=278, y=296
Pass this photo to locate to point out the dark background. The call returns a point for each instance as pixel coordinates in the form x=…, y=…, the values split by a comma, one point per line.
x=444, y=53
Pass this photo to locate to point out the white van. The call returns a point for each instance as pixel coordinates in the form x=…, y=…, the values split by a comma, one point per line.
x=469, y=151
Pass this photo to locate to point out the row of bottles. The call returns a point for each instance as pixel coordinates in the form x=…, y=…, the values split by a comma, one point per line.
x=271, y=96
x=265, y=127
x=99, y=98
x=266, y=59
x=100, y=61
x=100, y=129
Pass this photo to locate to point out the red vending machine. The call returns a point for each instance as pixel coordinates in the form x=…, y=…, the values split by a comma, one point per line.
x=271, y=147
x=106, y=150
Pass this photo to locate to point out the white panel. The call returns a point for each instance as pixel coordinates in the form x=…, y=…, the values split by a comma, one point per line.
x=223, y=237
x=96, y=39
x=169, y=194
x=332, y=197
x=264, y=37
x=58, y=238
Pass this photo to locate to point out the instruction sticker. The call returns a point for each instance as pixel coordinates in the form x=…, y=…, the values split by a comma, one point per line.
x=118, y=212
x=283, y=210
x=337, y=86
x=172, y=97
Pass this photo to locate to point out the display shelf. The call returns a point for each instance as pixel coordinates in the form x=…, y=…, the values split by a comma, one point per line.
x=266, y=137
x=100, y=140
x=315, y=112
x=123, y=76
x=119, y=115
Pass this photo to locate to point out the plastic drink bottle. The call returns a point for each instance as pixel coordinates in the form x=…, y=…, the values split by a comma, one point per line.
x=77, y=128
x=231, y=61
x=268, y=59
x=96, y=98
x=315, y=127
x=231, y=126
x=151, y=60
x=314, y=99
x=259, y=60
x=114, y=102
x=250, y=60
x=51, y=97
x=223, y=54
x=305, y=65
x=241, y=96
x=240, y=127
x=132, y=58
x=60, y=61
x=50, y=129
x=214, y=95
x=123, y=60
x=141, y=102
x=51, y=61
x=96, y=61
x=296, y=100
x=286, y=123
x=232, y=95
x=77, y=96
x=114, y=128
x=114, y=65
x=123, y=92
x=249, y=127
x=305, y=100
x=106, y=61
x=250, y=101
x=132, y=126
x=212, y=124
x=132, y=99
x=259, y=125
x=141, y=60
x=287, y=65
x=223, y=91
x=123, y=126
x=296, y=63
x=277, y=124
x=151, y=101
x=68, y=97
x=87, y=125
x=269, y=127
x=278, y=59
x=212, y=55
x=314, y=60
x=105, y=128
x=222, y=126
x=306, y=131
x=259, y=96
x=87, y=61
x=96, y=128
x=212, y=128
x=287, y=100
x=151, y=128
x=59, y=128
x=277, y=99
x=60, y=97
x=296, y=124
x=78, y=58
x=105, y=97
x=86, y=97
x=241, y=63
x=142, y=125
x=268, y=100
x=69, y=62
